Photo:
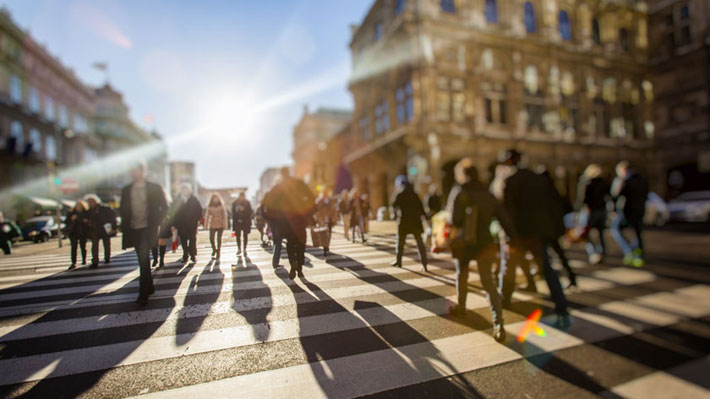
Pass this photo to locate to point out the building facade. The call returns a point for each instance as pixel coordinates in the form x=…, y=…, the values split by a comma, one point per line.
x=267, y=181
x=181, y=172
x=679, y=38
x=565, y=82
x=311, y=137
x=45, y=110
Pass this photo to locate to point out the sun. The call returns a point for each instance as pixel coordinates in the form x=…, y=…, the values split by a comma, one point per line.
x=229, y=117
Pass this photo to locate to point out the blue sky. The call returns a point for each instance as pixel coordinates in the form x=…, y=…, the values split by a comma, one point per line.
x=224, y=80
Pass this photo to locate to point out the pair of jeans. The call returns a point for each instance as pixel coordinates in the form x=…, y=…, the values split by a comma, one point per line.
x=95, y=248
x=538, y=248
x=188, y=240
x=401, y=238
x=144, y=242
x=485, y=259
x=79, y=242
x=218, y=246
x=596, y=221
x=619, y=223
x=277, y=238
x=241, y=234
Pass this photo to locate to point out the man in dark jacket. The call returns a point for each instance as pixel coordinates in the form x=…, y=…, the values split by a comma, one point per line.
x=592, y=193
x=629, y=191
x=8, y=231
x=276, y=220
x=99, y=216
x=411, y=212
x=473, y=208
x=143, y=208
x=186, y=220
x=241, y=221
x=530, y=201
x=294, y=201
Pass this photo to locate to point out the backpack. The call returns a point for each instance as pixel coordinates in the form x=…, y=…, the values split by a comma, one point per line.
x=447, y=237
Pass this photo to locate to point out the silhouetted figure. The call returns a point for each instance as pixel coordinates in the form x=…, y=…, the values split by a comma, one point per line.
x=186, y=220
x=357, y=215
x=345, y=212
x=276, y=219
x=410, y=212
x=593, y=194
x=8, y=230
x=101, y=225
x=241, y=221
x=326, y=215
x=216, y=223
x=530, y=201
x=473, y=208
x=143, y=208
x=77, y=230
x=629, y=191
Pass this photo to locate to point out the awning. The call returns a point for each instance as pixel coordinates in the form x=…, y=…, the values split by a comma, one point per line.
x=69, y=203
x=44, y=202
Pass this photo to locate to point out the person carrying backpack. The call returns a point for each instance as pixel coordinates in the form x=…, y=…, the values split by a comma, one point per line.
x=472, y=208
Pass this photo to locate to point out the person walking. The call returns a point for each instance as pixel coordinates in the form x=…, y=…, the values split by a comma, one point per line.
x=530, y=201
x=593, y=192
x=143, y=208
x=260, y=224
x=276, y=220
x=241, y=221
x=560, y=207
x=433, y=201
x=629, y=191
x=101, y=225
x=325, y=214
x=216, y=223
x=8, y=230
x=473, y=208
x=296, y=203
x=410, y=212
x=77, y=230
x=345, y=212
x=357, y=218
x=186, y=220
x=366, y=212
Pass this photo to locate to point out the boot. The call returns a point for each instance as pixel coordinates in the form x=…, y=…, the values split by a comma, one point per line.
x=162, y=250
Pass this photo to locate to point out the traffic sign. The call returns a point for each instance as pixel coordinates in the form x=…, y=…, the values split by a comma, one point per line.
x=68, y=186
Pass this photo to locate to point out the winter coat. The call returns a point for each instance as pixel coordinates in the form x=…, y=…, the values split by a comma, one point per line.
x=411, y=211
x=188, y=215
x=632, y=197
x=241, y=216
x=326, y=212
x=534, y=205
x=77, y=224
x=97, y=217
x=596, y=192
x=216, y=217
x=157, y=208
x=475, y=194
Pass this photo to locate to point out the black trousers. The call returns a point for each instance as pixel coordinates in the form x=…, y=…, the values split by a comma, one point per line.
x=188, y=240
x=144, y=242
x=79, y=242
x=5, y=246
x=218, y=245
x=402, y=237
x=95, y=248
x=241, y=234
x=296, y=247
x=276, y=236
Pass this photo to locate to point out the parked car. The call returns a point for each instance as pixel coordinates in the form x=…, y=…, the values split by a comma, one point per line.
x=39, y=229
x=693, y=206
x=656, y=210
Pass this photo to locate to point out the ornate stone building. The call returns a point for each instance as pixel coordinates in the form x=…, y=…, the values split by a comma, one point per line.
x=679, y=38
x=563, y=81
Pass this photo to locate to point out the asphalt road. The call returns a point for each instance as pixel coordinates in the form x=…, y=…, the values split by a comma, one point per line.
x=353, y=327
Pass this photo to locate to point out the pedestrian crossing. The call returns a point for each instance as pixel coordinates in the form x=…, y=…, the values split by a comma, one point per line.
x=353, y=327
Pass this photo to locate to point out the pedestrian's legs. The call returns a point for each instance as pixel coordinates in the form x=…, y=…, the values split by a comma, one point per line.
x=401, y=237
x=185, y=245
x=346, y=226
x=107, y=247
x=143, y=244
x=219, y=242
x=74, y=243
x=154, y=254
x=94, y=250
x=5, y=245
x=616, y=225
x=214, y=248
x=161, y=249
x=506, y=274
x=238, y=233
x=462, y=280
x=555, y=244
x=422, y=250
x=539, y=250
x=82, y=247
x=278, y=242
x=485, y=260
x=362, y=229
x=193, y=244
x=301, y=237
x=246, y=240
x=638, y=229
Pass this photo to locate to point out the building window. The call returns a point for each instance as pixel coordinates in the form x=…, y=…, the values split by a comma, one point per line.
x=491, y=11
x=17, y=137
x=448, y=6
x=36, y=140
x=16, y=89
x=63, y=116
x=382, y=117
x=379, y=31
x=495, y=105
x=534, y=109
x=568, y=115
x=443, y=98
x=49, y=109
x=399, y=7
x=624, y=39
x=458, y=100
x=628, y=112
x=405, y=103
x=51, y=152
x=529, y=18
x=602, y=118
x=684, y=13
x=80, y=124
x=564, y=26
x=34, y=100
x=364, y=127
x=596, y=34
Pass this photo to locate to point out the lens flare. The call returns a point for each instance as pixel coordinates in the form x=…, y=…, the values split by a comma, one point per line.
x=531, y=325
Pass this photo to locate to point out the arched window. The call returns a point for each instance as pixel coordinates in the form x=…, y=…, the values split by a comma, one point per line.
x=596, y=35
x=36, y=140
x=624, y=39
x=51, y=148
x=399, y=7
x=563, y=25
x=448, y=6
x=19, y=137
x=491, y=11
x=529, y=18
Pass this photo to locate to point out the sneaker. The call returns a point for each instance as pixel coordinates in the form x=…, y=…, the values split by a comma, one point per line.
x=107, y=261
x=563, y=321
x=628, y=259
x=72, y=266
x=638, y=262
x=396, y=264
x=595, y=259
x=300, y=274
x=457, y=310
x=499, y=333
